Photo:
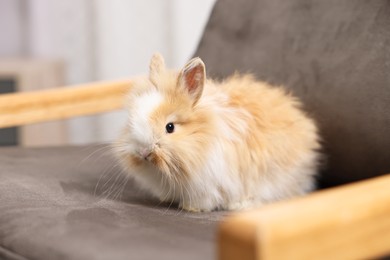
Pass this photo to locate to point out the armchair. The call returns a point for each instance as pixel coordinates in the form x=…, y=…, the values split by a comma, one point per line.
x=334, y=55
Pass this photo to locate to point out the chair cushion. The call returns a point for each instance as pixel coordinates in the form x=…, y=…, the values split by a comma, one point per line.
x=334, y=55
x=73, y=203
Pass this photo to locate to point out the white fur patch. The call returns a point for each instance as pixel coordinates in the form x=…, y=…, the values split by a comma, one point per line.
x=143, y=107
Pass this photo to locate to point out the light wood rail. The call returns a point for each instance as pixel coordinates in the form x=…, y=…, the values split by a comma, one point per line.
x=60, y=103
x=348, y=222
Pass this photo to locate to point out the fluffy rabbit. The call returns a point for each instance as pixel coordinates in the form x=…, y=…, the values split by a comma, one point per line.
x=210, y=145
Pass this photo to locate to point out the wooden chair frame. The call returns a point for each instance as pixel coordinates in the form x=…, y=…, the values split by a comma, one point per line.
x=347, y=222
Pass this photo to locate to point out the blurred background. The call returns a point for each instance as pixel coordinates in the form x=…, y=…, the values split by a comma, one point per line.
x=47, y=44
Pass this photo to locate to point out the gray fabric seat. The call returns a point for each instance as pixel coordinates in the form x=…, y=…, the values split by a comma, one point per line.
x=70, y=203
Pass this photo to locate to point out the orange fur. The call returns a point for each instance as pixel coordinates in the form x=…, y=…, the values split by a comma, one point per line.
x=237, y=143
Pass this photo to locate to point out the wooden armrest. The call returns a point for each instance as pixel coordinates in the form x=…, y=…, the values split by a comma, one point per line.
x=347, y=222
x=33, y=107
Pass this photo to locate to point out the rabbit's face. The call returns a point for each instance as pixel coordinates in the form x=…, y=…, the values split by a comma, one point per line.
x=165, y=129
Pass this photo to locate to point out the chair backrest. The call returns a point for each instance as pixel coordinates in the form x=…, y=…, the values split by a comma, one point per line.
x=334, y=55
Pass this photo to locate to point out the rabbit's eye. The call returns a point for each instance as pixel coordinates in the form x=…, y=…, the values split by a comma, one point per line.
x=170, y=127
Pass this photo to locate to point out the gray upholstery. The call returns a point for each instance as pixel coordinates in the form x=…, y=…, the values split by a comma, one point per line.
x=334, y=54
x=62, y=203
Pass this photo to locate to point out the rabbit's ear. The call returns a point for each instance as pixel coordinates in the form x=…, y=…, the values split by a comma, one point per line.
x=156, y=67
x=192, y=78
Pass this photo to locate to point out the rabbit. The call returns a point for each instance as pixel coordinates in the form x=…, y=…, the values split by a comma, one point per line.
x=207, y=145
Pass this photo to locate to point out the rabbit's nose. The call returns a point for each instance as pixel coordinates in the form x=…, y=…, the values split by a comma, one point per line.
x=145, y=153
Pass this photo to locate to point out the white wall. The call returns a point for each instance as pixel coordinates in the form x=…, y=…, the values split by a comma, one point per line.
x=103, y=40
x=65, y=30
x=189, y=20
x=127, y=34
x=11, y=26
x=130, y=31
